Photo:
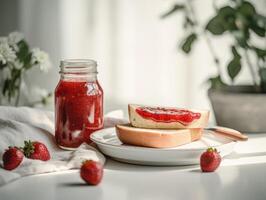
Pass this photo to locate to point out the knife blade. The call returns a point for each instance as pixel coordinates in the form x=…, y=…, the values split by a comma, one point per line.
x=229, y=133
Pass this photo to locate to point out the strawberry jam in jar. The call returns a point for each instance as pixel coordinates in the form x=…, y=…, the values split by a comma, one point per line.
x=78, y=103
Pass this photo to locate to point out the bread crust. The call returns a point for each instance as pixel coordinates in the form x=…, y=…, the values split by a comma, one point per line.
x=156, y=138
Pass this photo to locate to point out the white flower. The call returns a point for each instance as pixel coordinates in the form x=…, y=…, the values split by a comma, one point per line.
x=14, y=38
x=3, y=40
x=7, y=54
x=2, y=59
x=17, y=64
x=40, y=58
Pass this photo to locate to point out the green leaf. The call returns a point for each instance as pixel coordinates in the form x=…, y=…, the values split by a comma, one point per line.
x=247, y=9
x=260, y=19
x=175, y=8
x=226, y=12
x=228, y=17
x=23, y=52
x=187, y=44
x=235, y=53
x=234, y=67
x=261, y=53
x=223, y=21
x=259, y=30
x=215, y=26
x=216, y=82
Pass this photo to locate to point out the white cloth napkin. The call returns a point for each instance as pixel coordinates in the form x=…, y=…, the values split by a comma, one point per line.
x=23, y=123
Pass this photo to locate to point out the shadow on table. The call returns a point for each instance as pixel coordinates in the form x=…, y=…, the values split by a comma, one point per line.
x=73, y=184
x=236, y=155
x=120, y=166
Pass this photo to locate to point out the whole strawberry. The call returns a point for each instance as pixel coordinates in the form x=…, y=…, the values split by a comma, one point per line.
x=36, y=150
x=12, y=158
x=91, y=172
x=210, y=160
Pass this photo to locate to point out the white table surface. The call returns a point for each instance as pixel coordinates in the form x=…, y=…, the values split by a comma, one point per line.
x=241, y=176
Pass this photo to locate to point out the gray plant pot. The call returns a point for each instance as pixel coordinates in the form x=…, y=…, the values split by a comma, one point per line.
x=240, y=108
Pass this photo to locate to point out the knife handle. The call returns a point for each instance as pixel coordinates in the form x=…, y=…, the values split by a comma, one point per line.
x=230, y=133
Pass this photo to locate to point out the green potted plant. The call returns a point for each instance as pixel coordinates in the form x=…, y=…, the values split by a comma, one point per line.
x=242, y=107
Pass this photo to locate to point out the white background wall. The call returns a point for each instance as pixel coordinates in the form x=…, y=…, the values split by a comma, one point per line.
x=136, y=51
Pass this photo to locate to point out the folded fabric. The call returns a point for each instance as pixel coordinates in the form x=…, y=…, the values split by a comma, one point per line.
x=23, y=123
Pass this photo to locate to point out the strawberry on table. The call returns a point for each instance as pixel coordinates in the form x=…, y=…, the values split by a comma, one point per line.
x=36, y=150
x=91, y=172
x=210, y=160
x=12, y=158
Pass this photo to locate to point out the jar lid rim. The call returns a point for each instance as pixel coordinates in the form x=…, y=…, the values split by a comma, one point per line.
x=78, y=61
x=78, y=66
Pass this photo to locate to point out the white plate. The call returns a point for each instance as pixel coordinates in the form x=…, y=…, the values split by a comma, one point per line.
x=188, y=154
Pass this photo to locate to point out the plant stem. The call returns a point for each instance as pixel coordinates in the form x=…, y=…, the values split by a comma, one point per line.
x=18, y=95
x=192, y=11
x=211, y=49
x=253, y=75
x=208, y=41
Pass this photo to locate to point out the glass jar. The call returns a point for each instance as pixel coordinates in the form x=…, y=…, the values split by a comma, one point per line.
x=78, y=103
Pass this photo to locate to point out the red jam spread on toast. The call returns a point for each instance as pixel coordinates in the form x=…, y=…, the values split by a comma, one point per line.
x=167, y=115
